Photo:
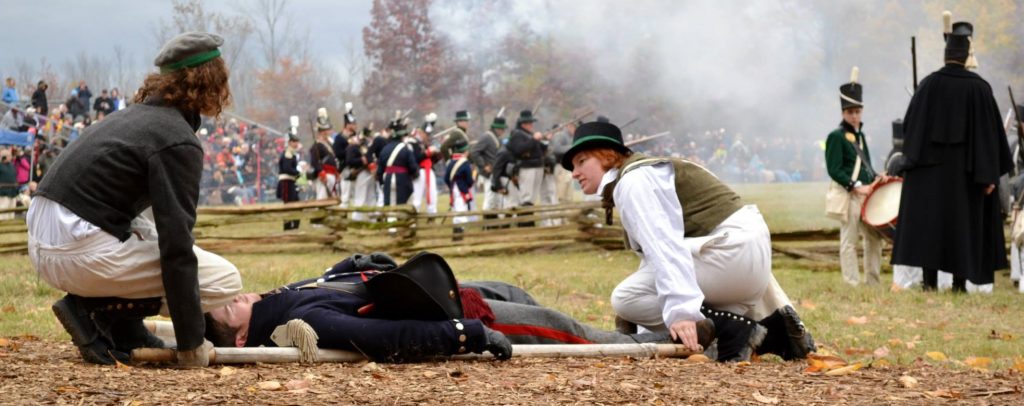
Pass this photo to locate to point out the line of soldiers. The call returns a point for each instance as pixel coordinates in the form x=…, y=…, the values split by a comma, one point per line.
x=396, y=166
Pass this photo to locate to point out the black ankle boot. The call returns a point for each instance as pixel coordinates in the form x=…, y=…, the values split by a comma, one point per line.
x=124, y=320
x=787, y=336
x=736, y=336
x=75, y=315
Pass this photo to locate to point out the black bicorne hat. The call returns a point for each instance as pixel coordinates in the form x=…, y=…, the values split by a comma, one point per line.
x=594, y=135
x=851, y=94
x=423, y=288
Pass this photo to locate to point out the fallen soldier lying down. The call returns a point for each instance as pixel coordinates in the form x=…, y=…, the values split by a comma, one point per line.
x=415, y=316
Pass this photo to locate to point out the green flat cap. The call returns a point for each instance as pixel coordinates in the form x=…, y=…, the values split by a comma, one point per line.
x=188, y=50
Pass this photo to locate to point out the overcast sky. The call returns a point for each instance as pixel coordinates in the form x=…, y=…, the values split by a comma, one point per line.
x=59, y=29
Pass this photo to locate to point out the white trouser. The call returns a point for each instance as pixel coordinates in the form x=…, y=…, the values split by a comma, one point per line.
x=511, y=198
x=733, y=266
x=346, y=187
x=563, y=184
x=530, y=185
x=459, y=205
x=324, y=187
x=850, y=232
x=424, y=192
x=7, y=203
x=99, y=265
x=492, y=199
x=906, y=276
x=945, y=282
x=549, y=197
x=364, y=191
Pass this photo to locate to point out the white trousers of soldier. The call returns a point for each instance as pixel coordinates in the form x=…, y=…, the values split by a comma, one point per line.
x=324, y=186
x=345, y=187
x=462, y=202
x=492, y=199
x=98, y=265
x=364, y=193
x=563, y=184
x=1015, y=266
x=424, y=191
x=850, y=232
x=549, y=196
x=530, y=180
x=7, y=203
x=733, y=266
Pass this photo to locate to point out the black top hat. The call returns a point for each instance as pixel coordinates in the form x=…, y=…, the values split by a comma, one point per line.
x=525, y=116
x=462, y=115
x=958, y=42
x=594, y=135
x=851, y=94
x=499, y=122
x=293, y=137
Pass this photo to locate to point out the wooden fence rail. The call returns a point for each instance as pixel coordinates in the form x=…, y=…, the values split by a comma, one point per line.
x=398, y=230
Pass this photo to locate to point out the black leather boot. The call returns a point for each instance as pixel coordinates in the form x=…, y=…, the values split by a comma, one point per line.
x=75, y=315
x=787, y=336
x=125, y=320
x=736, y=336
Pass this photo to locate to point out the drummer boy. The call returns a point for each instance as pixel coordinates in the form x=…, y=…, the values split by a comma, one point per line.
x=849, y=165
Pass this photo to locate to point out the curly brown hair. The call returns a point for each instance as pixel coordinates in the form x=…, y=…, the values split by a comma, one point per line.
x=202, y=89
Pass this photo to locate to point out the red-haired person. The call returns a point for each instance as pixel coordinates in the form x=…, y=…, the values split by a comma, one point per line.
x=704, y=255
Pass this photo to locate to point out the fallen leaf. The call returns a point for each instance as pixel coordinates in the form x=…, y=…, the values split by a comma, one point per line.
x=768, y=400
x=227, y=371
x=4, y=342
x=8, y=309
x=1018, y=364
x=822, y=363
x=881, y=363
x=881, y=352
x=67, y=389
x=1000, y=336
x=629, y=386
x=429, y=374
x=908, y=382
x=269, y=385
x=936, y=356
x=583, y=382
x=857, y=320
x=119, y=365
x=699, y=358
x=978, y=362
x=297, y=384
x=911, y=345
x=849, y=369
x=372, y=367
x=944, y=393
x=807, y=304
x=948, y=336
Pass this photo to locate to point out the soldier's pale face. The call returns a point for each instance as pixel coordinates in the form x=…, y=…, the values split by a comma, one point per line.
x=587, y=170
x=236, y=315
x=852, y=116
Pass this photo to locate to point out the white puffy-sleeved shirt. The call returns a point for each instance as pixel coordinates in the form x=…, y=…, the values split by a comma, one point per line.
x=653, y=218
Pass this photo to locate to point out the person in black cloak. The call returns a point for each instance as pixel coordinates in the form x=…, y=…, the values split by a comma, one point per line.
x=949, y=217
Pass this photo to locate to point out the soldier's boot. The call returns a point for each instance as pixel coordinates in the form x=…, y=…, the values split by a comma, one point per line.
x=490, y=217
x=959, y=285
x=75, y=315
x=787, y=336
x=526, y=206
x=736, y=337
x=124, y=319
x=930, y=280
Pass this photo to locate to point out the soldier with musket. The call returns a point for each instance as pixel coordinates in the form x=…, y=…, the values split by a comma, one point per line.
x=458, y=134
x=321, y=157
x=525, y=145
x=956, y=150
x=704, y=254
x=357, y=162
x=425, y=186
x=483, y=154
x=340, y=146
x=397, y=166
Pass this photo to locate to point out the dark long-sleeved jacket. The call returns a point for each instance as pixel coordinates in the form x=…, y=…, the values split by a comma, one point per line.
x=484, y=152
x=147, y=155
x=527, y=150
x=39, y=102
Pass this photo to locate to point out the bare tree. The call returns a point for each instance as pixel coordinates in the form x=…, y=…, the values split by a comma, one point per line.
x=274, y=27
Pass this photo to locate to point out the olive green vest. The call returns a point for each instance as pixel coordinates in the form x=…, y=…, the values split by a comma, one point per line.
x=706, y=203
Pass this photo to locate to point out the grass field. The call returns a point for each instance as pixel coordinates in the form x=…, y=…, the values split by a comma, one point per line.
x=863, y=323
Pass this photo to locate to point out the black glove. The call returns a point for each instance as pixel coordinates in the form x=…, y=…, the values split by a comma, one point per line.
x=377, y=261
x=497, y=344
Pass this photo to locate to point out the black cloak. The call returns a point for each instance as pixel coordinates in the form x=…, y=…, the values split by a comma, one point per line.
x=955, y=147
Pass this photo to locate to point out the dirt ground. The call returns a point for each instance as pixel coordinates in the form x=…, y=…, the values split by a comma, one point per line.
x=34, y=371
